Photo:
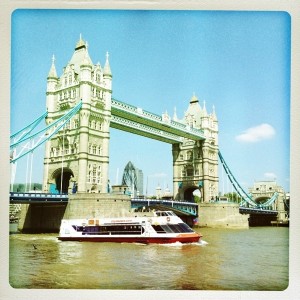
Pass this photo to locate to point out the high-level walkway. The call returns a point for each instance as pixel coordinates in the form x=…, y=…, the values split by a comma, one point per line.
x=133, y=119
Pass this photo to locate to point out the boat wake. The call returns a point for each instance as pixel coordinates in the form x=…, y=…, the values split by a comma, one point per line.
x=178, y=244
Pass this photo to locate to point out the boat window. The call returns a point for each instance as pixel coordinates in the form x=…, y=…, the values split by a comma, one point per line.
x=113, y=229
x=167, y=228
x=158, y=228
x=170, y=213
x=77, y=228
x=175, y=228
x=185, y=227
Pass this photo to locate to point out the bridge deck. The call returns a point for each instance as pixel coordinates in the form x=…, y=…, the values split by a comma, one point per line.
x=27, y=198
x=257, y=211
x=134, y=119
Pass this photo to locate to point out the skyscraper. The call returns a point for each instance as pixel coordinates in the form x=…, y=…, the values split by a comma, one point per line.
x=134, y=179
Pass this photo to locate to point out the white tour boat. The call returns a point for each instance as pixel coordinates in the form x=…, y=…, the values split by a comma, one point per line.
x=161, y=227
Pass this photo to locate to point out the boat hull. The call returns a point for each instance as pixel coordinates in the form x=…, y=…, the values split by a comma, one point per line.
x=182, y=238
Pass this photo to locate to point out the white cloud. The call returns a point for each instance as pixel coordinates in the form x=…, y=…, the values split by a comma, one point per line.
x=256, y=134
x=270, y=175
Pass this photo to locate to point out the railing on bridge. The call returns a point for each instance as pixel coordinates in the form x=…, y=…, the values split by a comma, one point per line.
x=257, y=211
x=189, y=208
x=36, y=197
x=121, y=110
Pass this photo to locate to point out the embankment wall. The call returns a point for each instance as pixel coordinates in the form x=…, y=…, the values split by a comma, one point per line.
x=221, y=215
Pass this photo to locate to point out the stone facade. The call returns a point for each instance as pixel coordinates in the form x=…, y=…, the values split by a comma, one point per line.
x=221, y=215
x=195, y=163
x=89, y=205
x=78, y=156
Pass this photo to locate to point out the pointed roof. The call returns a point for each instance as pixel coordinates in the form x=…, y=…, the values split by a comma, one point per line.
x=194, y=107
x=214, y=113
x=194, y=99
x=107, y=70
x=204, y=109
x=81, y=55
x=52, y=72
x=80, y=43
x=175, y=118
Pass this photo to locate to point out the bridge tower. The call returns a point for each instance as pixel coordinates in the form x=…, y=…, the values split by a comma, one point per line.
x=195, y=163
x=78, y=156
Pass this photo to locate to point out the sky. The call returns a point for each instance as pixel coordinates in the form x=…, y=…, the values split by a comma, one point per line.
x=238, y=62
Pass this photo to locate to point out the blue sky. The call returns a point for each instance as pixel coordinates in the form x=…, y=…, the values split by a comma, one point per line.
x=237, y=61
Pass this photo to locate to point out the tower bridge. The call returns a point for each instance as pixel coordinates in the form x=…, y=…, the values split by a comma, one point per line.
x=80, y=113
x=77, y=149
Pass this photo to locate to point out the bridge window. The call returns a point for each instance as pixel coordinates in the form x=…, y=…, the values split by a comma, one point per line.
x=94, y=173
x=190, y=171
x=98, y=77
x=94, y=149
x=99, y=150
x=98, y=93
x=189, y=155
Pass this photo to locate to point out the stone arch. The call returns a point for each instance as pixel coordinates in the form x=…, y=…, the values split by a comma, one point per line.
x=189, y=193
x=62, y=177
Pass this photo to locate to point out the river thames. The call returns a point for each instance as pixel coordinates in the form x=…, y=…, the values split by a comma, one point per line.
x=226, y=259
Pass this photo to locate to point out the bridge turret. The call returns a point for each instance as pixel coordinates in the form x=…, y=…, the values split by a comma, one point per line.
x=79, y=154
x=107, y=75
x=195, y=163
x=52, y=81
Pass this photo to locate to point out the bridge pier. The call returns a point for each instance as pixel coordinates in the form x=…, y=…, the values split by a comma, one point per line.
x=46, y=217
x=41, y=217
x=220, y=215
x=91, y=205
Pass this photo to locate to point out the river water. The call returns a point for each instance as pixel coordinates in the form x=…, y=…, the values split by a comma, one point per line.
x=226, y=259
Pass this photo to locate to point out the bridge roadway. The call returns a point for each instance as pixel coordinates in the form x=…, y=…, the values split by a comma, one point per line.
x=257, y=211
x=36, y=197
x=182, y=207
x=186, y=208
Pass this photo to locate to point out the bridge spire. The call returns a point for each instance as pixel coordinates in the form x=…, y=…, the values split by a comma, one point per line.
x=107, y=70
x=175, y=118
x=52, y=72
x=80, y=43
x=204, y=108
